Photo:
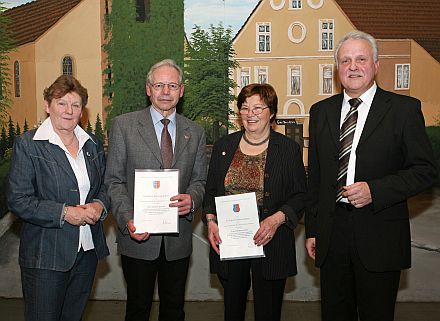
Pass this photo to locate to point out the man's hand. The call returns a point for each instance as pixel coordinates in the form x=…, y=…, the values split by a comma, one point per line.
x=184, y=203
x=137, y=237
x=311, y=247
x=358, y=194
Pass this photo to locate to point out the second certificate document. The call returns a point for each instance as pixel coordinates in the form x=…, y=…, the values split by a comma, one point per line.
x=238, y=222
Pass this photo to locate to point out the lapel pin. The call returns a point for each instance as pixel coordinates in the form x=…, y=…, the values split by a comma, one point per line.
x=223, y=153
x=88, y=154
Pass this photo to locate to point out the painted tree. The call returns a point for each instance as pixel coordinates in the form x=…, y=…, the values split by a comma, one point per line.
x=6, y=45
x=89, y=128
x=17, y=129
x=3, y=142
x=208, y=83
x=136, y=38
x=25, y=126
x=11, y=132
x=99, y=132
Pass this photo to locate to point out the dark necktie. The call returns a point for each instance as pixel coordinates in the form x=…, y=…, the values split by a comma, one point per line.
x=346, y=141
x=166, y=145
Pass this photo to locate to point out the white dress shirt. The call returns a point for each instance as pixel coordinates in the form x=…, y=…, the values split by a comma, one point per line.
x=78, y=164
x=363, y=109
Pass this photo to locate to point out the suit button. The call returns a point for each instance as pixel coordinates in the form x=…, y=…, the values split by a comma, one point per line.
x=267, y=194
x=265, y=211
x=266, y=175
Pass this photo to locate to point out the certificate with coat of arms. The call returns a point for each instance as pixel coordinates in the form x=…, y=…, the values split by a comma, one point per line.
x=237, y=217
x=152, y=192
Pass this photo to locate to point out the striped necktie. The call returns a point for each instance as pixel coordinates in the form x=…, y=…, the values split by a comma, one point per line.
x=346, y=141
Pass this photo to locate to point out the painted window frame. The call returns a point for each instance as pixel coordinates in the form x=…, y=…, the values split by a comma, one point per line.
x=17, y=79
x=291, y=77
x=261, y=71
x=402, y=77
x=242, y=73
x=267, y=38
x=326, y=35
x=325, y=80
x=65, y=66
x=295, y=4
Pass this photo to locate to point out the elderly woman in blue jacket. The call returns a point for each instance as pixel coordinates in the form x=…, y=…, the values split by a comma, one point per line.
x=56, y=189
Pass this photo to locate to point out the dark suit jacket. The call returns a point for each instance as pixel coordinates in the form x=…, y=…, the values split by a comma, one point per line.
x=393, y=156
x=41, y=183
x=284, y=189
x=133, y=145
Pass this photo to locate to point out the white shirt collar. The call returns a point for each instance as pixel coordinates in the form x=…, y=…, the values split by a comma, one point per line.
x=366, y=97
x=46, y=132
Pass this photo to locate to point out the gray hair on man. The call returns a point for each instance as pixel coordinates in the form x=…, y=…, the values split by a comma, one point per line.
x=166, y=62
x=358, y=35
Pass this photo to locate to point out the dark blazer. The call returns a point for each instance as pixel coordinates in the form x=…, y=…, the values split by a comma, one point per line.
x=133, y=145
x=284, y=189
x=393, y=156
x=41, y=183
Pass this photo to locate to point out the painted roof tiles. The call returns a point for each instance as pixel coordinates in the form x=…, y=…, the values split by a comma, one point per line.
x=398, y=19
x=29, y=21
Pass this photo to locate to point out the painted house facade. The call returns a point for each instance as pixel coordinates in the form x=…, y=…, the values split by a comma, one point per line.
x=290, y=44
x=55, y=37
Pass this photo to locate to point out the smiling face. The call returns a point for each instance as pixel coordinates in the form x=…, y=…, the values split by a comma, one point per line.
x=65, y=112
x=164, y=99
x=356, y=66
x=258, y=125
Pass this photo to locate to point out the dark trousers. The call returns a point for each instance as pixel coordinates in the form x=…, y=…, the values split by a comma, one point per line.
x=140, y=276
x=268, y=294
x=347, y=288
x=59, y=296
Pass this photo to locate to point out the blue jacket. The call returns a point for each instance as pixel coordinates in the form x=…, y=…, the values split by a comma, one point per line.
x=41, y=183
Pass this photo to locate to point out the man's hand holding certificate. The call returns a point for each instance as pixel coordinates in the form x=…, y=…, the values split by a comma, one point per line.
x=238, y=222
x=152, y=192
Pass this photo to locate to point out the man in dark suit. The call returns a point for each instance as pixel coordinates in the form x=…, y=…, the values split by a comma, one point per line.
x=135, y=143
x=368, y=154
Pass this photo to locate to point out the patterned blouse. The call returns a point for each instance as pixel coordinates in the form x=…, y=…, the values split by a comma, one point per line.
x=246, y=174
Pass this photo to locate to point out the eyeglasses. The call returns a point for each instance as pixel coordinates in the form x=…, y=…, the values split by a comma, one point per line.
x=160, y=86
x=257, y=110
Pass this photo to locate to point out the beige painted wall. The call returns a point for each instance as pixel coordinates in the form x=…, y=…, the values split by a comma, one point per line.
x=23, y=107
x=78, y=35
x=425, y=82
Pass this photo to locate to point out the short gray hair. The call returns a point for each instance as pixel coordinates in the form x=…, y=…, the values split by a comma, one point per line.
x=166, y=62
x=358, y=35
